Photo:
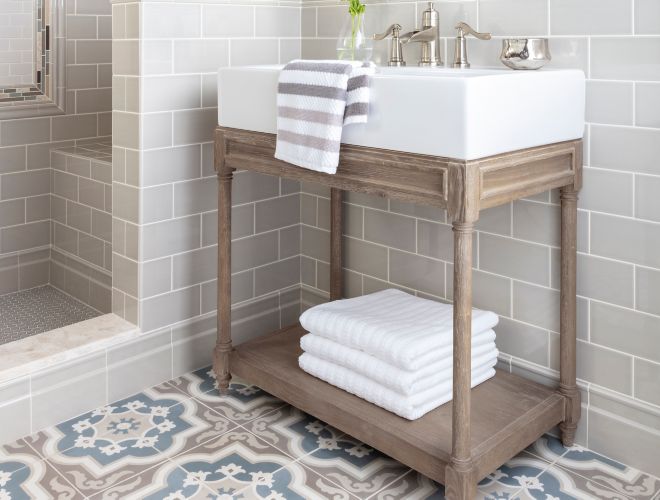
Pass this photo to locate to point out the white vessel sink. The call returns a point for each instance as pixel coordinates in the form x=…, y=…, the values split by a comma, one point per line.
x=456, y=113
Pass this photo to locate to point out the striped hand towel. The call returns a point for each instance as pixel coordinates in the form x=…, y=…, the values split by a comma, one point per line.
x=315, y=100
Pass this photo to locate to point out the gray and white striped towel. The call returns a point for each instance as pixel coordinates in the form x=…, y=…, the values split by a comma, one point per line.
x=315, y=100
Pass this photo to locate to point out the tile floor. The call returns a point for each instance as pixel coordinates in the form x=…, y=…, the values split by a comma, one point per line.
x=39, y=310
x=182, y=440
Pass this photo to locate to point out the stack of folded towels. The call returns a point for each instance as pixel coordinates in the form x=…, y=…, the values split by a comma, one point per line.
x=393, y=349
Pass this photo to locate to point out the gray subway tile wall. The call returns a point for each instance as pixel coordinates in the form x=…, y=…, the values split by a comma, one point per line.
x=516, y=250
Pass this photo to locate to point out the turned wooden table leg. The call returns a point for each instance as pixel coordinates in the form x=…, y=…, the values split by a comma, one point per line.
x=567, y=361
x=335, y=243
x=223, y=343
x=460, y=481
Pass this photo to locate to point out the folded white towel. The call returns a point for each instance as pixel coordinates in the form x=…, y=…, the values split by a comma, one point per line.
x=315, y=99
x=410, y=407
x=391, y=325
x=484, y=353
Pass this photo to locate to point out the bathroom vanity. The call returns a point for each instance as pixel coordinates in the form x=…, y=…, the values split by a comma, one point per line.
x=465, y=171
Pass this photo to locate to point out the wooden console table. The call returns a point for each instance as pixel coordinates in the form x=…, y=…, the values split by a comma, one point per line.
x=464, y=440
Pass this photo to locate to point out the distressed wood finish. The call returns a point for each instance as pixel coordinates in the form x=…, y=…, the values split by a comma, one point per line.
x=466, y=439
x=336, y=230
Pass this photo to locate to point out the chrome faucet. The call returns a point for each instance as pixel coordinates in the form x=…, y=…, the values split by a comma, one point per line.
x=428, y=36
x=460, y=50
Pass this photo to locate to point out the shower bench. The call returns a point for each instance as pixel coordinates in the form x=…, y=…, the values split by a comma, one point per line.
x=464, y=440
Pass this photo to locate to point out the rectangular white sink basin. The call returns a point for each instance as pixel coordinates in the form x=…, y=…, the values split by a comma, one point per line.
x=456, y=113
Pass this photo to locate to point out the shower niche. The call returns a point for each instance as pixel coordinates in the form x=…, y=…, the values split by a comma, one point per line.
x=32, y=58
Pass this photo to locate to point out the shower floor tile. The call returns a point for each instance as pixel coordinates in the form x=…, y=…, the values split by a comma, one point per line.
x=38, y=310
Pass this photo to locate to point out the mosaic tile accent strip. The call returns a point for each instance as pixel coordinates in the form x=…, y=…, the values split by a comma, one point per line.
x=39, y=310
x=183, y=440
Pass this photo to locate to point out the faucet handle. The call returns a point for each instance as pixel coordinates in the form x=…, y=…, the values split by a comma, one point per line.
x=393, y=30
x=464, y=28
x=396, y=52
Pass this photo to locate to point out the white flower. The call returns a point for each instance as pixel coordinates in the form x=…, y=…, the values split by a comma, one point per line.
x=248, y=391
x=111, y=449
x=262, y=478
x=160, y=411
x=101, y=412
x=529, y=483
x=177, y=495
x=195, y=478
x=85, y=442
x=328, y=443
x=82, y=425
x=274, y=495
x=230, y=470
x=359, y=450
x=5, y=495
x=165, y=426
x=4, y=477
x=134, y=405
x=314, y=427
x=145, y=442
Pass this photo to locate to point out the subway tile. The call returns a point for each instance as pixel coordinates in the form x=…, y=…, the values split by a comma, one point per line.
x=196, y=196
x=308, y=22
x=647, y=104
x=647, y=290
x=12, y=159
x=625, y=330
x=606, y=191
x=416, y=272
x=91, y=193
x=277, y=213
x=609, y=102
x=276, y=276
x=23, y=237
x=162, y=20
x=389, y=229
x=79, y=216
x=200, y=56
x=156, y=203
x=308, y=209
x=197, y=266
x=570, y=53
x=604, y=367
x=290, y=48
x=495, y=220
x=290, y=243
x=437, y=241
x=12, y=212
x=316, y=243
x=536, y=305
x=624, y=58
x=37, y=208
x=536, y=222
x=193, y=126
x=514, y=258
x=625, y=239
x=254, y=251
x=604, y=279
x=489, y=292
x=81, y=77
x=647, y=375
x=169, y=308
x=25, y=131
x=514, y=17
x=254, y=51
x=227, y=21
x=523, y=341
x=34, y=274
x=91, y=249
x=277, y=21
x=156, y=277
x=126, y=202
x=419, y=211
x=125, y=61
x=252, y=186
x=156, y=57
x=156, y=131
x=170, y=237
x=74, y=127
x=590, y=17
x=168, y=93
x=363, y=257
x=125, y=274
x=93, y=100
x=171, y=165
x=8, y=279
x=65, y=238
x=647, y=17
x=94, y=7
x=629, y=149
x=647, y=201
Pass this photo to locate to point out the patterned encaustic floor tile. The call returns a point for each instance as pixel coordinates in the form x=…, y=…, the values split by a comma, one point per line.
x=184, y=440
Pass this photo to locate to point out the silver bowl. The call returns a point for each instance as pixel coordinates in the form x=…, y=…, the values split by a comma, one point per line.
x=525, y=53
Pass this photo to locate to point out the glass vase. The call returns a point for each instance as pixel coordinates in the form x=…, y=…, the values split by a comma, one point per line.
x=353, y=43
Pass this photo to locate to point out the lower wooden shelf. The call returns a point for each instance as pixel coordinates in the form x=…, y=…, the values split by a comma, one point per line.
x=508, y=411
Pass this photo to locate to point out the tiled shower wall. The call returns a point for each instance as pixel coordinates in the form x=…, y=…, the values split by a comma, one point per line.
x=16, y=44
x=617, y=44
x=166, y=58
x=26, y=179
